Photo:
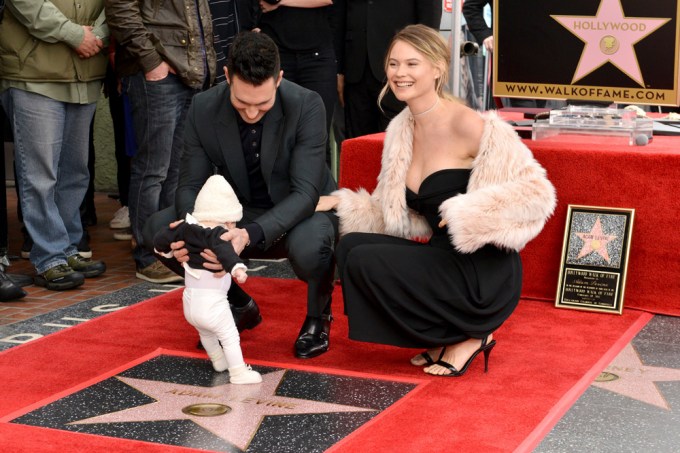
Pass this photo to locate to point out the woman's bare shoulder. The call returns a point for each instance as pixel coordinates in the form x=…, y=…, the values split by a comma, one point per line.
x=468, y=126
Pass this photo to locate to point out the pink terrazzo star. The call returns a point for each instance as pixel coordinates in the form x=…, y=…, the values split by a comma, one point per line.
x=249, y=404
x=595, y=241
x=637, y=380
x=609, y=36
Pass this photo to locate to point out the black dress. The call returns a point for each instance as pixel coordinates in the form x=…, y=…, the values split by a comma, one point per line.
x=411, y=294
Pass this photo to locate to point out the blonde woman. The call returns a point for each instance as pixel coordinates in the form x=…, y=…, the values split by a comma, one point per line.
x=469, y=190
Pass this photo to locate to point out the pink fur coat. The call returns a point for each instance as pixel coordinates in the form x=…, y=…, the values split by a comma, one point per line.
x=507, y=202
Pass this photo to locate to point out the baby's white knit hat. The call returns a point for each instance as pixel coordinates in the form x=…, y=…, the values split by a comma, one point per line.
x=217, y=202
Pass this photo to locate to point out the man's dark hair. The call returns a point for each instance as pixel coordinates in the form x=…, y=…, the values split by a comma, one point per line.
x=254, y=58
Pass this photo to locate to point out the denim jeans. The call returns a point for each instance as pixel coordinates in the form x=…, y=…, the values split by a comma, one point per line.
x=158, y=112
x=51, y=141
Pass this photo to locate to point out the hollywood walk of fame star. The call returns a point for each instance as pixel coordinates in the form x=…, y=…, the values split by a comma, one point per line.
x=249, y=403
x=609, y=36
x=595, y=241
x=637, y=380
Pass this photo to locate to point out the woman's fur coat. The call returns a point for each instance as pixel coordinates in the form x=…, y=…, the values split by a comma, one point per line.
x=507, y=202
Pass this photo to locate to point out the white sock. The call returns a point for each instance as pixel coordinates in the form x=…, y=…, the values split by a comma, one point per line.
x=243, y=374
x=219, y=361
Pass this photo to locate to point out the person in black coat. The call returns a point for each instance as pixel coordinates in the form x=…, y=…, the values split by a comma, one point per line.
x=267, y=137
x=366, y=31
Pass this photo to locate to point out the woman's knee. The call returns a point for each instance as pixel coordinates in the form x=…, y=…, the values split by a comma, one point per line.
x=347, y=243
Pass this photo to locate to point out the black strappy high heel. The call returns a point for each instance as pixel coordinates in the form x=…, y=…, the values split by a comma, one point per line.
x=485, y=348
x=425, y=356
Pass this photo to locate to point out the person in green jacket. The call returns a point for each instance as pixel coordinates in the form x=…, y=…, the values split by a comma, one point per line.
x=51, y=71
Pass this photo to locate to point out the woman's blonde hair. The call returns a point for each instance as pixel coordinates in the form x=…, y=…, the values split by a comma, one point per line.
x=432, y=45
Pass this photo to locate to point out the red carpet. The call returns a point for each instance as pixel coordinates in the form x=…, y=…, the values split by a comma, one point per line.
x=545, y=358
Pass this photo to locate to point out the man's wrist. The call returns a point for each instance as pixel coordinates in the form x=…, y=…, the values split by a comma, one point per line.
x=255, y=234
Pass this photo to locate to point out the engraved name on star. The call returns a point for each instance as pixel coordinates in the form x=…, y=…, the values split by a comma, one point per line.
x=609, y=36
x=637, y=380
x=249, y=404
x=595, y=241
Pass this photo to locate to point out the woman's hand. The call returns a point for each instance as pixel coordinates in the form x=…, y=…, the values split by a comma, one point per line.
x=327, y=203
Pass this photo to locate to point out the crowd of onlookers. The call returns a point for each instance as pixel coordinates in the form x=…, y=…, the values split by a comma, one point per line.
x=152, y=59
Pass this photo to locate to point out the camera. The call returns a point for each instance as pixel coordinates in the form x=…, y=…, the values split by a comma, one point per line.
x=468, y=48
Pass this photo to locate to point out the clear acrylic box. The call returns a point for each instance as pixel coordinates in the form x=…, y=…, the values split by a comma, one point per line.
x=577, y=120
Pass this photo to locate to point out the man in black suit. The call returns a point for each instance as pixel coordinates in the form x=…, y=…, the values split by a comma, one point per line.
x=267, y=137
x=368, y=29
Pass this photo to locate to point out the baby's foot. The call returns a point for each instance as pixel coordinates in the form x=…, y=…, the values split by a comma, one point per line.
x=244, y=374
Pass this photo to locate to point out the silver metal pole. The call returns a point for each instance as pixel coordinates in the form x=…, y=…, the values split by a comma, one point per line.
x=456, y=11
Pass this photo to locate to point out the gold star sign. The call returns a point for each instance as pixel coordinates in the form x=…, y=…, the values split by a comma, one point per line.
x=249, y=405
x=595, y=241
x=636, y=380
x=610, y=36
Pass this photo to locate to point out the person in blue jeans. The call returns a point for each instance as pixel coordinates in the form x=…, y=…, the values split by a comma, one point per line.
x=166, y=56
x=50, y=96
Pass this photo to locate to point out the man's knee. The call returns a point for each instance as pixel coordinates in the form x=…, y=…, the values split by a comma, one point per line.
x=311, y=243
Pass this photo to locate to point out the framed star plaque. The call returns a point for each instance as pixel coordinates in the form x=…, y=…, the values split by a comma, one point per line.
x=623, y=51
x=595, y=258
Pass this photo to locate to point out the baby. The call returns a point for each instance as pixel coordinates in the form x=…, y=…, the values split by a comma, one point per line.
x=216, y=210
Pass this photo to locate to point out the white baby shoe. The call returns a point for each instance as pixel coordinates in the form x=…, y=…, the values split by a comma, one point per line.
x=244, y=374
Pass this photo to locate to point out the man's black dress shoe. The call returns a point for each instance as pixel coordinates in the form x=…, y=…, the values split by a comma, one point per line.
x=246, y=317
x=314, y=336
x=9, y=290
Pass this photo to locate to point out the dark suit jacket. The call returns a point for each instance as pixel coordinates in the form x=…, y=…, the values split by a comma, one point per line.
x=293, y=155
x=370, y=26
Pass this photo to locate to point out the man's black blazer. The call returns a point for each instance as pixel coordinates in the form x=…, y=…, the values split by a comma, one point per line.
x=369, y=28
x=293, y=155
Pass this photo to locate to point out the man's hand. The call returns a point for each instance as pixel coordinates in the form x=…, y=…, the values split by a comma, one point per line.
x=341, y=89
x=212, y=264
x=91, y=45
x=268, y=7
x=180, y=253
x=159, y=72
x=238, y=237
x=488, y=44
